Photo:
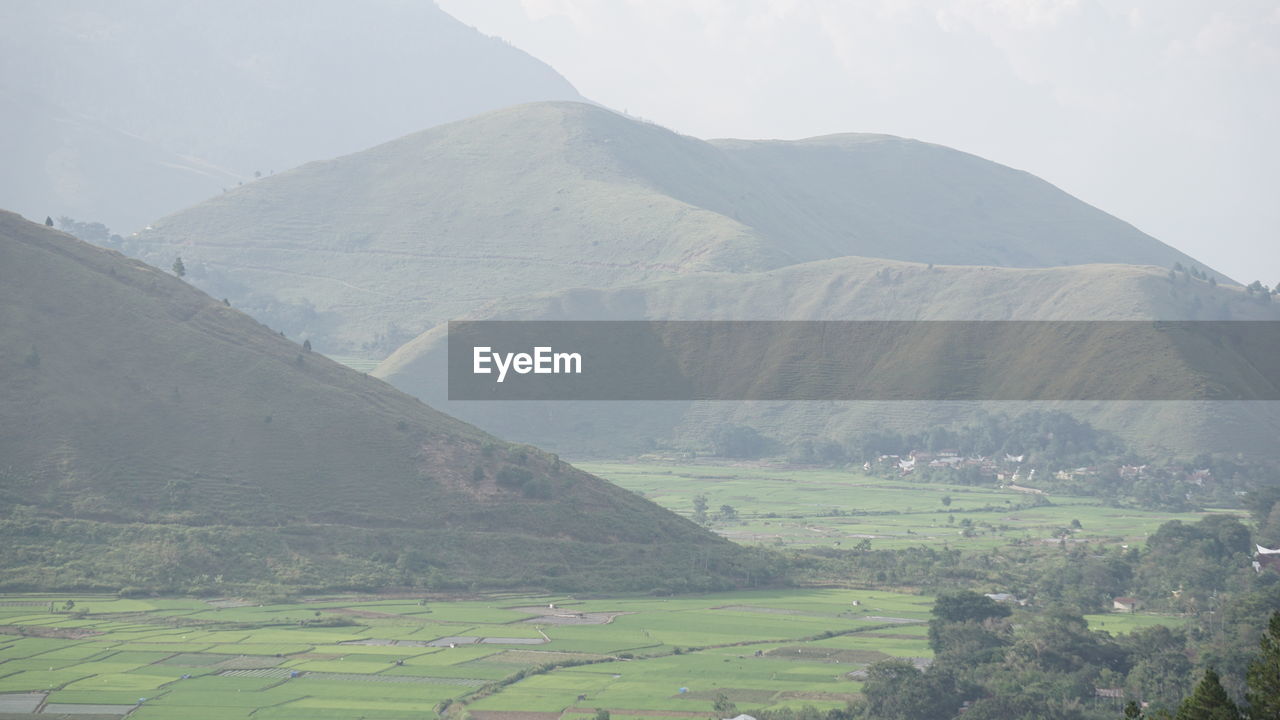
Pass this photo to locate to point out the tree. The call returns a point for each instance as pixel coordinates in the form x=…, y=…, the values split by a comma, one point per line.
x=960, y=607
x=946, y=501
x=306, y=345
x=738, y=441
x=700, y=509
x=48, y=221
x=178, y=268
x=1264, y=675
x=728, y=513
x=725, y=707
x=602, y=714
x=1209, y=701
x=897, y=690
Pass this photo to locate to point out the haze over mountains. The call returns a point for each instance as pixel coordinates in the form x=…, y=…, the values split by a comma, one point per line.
x=362, y=252
x=126, y=111
x=872, y=289
x=155, y=437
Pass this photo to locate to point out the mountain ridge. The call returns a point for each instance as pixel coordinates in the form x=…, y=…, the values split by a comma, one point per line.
x=363, y=252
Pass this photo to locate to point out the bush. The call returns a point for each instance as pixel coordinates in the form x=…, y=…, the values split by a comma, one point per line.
x=513, y=477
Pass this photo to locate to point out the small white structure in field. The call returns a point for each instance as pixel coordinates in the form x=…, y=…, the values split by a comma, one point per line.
x=1127, y=604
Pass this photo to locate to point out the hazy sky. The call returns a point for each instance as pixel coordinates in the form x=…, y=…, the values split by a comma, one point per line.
x=1165, y=113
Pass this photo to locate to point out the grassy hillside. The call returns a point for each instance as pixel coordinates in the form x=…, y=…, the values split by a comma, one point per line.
x=368, y=250
x=865, y=289
x=156, y=437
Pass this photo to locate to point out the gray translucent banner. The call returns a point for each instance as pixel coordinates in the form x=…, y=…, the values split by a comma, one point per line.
x=864, y=360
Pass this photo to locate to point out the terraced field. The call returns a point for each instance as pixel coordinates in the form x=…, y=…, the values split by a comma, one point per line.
x=351, y=657
x=812, y=507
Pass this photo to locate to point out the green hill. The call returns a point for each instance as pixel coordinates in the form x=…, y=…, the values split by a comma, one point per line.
x=156, y=437
x=866, y=289
x=363, y=252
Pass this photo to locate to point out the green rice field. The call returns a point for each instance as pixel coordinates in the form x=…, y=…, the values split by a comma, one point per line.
x=401, y=657
x=812, y=507
x=351, y=657
x=519, y=657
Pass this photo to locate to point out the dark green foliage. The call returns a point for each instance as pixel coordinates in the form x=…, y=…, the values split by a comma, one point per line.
x=1021, y=706
x=538, y=489
x=1263, y=694
x=897, y=690
x=179, y=268
x=738, y=442
x=966, y=606
x=1209, y=701
x=1195, y=559
x=806, y=712
x=513, y=477
x=1161, y=671
x=602, y=714
x=700, y=509
x=48, y=221
x=90, y=232
x=724, y=707
x=42, y=554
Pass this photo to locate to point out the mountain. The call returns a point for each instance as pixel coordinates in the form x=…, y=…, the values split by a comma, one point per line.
x=230, y=88
x=155, y=437
x=365, y=251
x=870, y=289
x=70, y=163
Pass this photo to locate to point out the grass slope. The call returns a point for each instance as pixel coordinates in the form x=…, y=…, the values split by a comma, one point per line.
x=865, y=289
x=156, y=437
x=367, y=250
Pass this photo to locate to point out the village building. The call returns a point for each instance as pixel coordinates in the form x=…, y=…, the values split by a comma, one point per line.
x=1266, y=558
x=1125, y=604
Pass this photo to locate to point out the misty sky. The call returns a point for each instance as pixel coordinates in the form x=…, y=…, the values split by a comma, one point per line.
x=1165, y=113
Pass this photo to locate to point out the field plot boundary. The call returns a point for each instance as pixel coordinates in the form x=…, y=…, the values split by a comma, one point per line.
x=287, y=674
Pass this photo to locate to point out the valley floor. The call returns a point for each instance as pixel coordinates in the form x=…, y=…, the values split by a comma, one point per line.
x=788, y=507
x=541, y=657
